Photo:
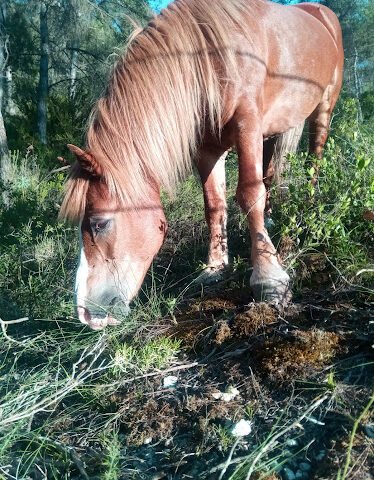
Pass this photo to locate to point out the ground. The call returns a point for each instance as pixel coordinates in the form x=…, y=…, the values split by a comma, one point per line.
x=312, y=359
x=78, y=404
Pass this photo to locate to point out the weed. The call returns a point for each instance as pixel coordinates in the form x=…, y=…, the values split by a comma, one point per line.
x=155, y=354
x=111, y=461
x=224, y=437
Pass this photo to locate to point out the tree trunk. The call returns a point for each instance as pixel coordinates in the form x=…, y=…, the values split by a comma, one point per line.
x=4, y=159
x=3, y=48
x=3, y=141
x=10, y=106
x=73, y=69
x=41, y=121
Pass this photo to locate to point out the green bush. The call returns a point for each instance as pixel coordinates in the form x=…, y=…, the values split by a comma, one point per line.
x=35, y=268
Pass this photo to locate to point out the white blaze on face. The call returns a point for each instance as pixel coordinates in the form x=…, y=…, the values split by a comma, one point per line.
x=80, y=290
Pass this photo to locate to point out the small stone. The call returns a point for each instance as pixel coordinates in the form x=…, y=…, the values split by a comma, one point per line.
x=241, y=429
x=170, y=381
x=305, y=467
x=291, y=442
x=230, y=394
x=288, y=474
x=159, y=476
x=147, y=441
x=369, y=430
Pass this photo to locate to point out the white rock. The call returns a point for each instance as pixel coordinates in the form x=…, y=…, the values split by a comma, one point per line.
x=242, y=428
x=170, y=381
x=147, y=441
x=227, y=396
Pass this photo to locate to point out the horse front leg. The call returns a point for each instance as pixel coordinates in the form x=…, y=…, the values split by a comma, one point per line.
x=269, y=282
x=211, y=167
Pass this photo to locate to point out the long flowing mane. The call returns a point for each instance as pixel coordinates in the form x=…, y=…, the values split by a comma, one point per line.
x=162, y=94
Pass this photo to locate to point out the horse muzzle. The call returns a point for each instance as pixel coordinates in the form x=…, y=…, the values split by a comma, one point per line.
x=99, y=318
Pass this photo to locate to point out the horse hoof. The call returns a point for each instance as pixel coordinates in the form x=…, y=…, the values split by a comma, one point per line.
x=276, y=293
x=210, y=276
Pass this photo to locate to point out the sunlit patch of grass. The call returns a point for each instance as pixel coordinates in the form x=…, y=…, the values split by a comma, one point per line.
x=156, y=353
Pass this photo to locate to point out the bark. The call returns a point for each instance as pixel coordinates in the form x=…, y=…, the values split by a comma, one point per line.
x=3, y=48
x=357, y=87
x=4, y=153
x=73, y=68
x=3, y=141
x=4, y=157
x=10, y=106
x=41, y=121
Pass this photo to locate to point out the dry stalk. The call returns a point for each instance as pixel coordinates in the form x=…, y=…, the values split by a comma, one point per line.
x=228, y=461
x=4, y=325
x=274, y=439
x=25, y=407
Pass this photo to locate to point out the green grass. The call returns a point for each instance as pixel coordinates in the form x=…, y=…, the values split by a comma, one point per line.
x=55, y=374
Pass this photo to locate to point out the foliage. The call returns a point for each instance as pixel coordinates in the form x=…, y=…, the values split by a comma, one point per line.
x=34, y=271
x=156, y=353
x=328, y=216
x=44, y=356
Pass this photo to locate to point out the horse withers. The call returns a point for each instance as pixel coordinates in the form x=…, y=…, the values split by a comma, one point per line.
x=200, y=78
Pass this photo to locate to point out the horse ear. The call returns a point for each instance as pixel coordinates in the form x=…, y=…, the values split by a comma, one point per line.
x=86, y=160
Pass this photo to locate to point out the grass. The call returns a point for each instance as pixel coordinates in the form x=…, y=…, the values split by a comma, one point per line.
x=65, y=405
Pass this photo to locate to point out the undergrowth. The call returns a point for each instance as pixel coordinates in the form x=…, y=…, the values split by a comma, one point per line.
x=59, y=381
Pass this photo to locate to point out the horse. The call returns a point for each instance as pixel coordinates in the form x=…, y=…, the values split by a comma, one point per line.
x=200, y=78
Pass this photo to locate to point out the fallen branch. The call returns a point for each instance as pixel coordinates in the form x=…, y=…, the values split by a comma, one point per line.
x=163, y=372
x=228, y=461
x=4, y=325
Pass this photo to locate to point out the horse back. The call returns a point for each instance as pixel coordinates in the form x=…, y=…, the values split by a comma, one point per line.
x=326, y=16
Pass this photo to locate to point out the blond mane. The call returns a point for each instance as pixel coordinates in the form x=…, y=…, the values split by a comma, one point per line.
x=162, y=94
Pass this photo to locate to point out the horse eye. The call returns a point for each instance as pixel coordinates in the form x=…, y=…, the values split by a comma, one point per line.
x=99, y=226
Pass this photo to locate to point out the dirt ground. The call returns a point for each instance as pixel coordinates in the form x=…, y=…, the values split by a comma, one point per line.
x=281, y=363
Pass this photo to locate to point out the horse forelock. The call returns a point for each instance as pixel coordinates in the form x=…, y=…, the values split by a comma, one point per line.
x=161, y=92
x=74, y=202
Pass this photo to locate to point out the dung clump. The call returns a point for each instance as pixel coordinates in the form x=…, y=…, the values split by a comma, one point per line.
x=283, y=358
x=257, y=316
x=190, y=330
x=223, y=332
x=153, y=421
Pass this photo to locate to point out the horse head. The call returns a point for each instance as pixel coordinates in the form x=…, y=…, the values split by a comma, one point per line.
x=117, y=246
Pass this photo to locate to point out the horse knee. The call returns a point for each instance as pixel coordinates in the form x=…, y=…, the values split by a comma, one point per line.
x=251, y=197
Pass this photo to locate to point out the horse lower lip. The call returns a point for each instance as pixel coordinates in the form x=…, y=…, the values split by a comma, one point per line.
x=95, y=323
x=112, y=321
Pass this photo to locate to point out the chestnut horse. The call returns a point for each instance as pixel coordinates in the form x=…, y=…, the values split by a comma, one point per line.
x=203, y=76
